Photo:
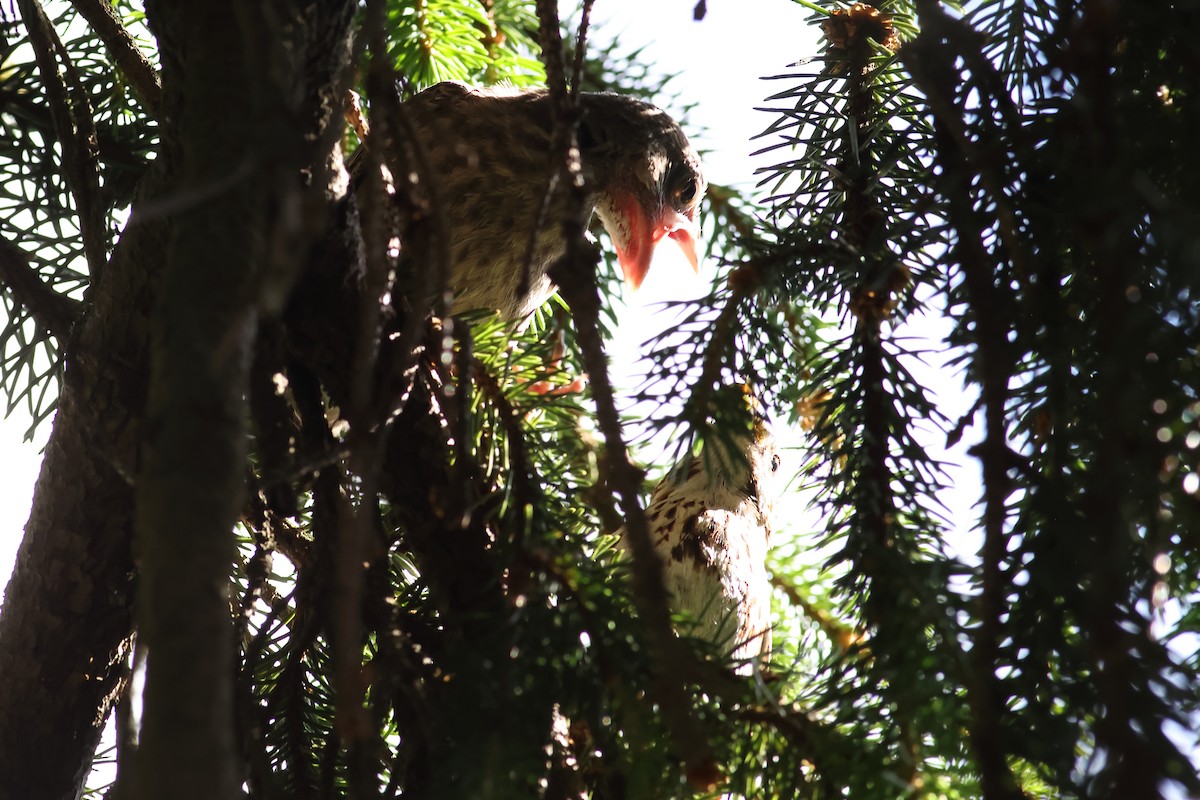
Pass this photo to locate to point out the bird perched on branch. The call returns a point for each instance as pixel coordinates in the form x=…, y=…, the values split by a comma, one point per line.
x=489, y=152
x=711, y=526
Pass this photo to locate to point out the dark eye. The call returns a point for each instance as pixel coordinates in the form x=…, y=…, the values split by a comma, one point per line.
x=591, y=134
x=688, y=193
x=775, y=461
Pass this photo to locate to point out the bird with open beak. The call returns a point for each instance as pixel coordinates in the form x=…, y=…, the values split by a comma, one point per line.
x=489, y=151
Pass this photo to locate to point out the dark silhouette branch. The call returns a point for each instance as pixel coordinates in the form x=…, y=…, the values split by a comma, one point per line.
x=124, y=51
x=52, y=311
x=71, y=110
x=931, y=60
x=575, y=275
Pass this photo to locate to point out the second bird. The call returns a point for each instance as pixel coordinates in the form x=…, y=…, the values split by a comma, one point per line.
x=711, y=526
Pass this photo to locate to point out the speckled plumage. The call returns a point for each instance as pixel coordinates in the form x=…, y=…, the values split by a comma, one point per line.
x=712, y=531
x=489, y=152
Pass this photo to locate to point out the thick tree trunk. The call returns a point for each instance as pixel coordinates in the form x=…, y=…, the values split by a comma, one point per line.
x=67, y=617
x=67, y=620
x=190, y=485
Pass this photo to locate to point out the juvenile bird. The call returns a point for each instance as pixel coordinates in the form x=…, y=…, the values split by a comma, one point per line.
x=489, y=152
x=712, y=529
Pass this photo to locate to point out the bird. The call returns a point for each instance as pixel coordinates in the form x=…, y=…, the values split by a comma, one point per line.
x=489, y=151
x=710, y=522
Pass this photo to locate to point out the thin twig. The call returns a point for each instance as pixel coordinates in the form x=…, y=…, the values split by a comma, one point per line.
x=724, y=329
x=406, y=156
x=352, y=519
x=520, y=469
x=580, y=50
x=564, y=112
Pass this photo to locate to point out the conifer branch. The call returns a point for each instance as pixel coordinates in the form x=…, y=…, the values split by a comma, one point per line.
x=852, y=36
x=871, y=303
x=931, y=61
x=1114, y=495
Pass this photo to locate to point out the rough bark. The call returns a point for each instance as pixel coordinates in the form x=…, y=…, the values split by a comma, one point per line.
x=190, y=485
x=68, y=616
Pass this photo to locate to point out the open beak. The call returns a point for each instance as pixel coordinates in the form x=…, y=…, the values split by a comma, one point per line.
x=636, y=234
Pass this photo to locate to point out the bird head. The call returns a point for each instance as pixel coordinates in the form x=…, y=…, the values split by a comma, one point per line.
x=750, y=461
x=644, y=176
x=765, y=462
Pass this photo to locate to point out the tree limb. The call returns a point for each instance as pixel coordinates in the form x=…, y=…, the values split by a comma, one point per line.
x=51, y=311
x=191, y=484
x=71, y=110
x=124, y=51
x=575, y=275
x=932, y=66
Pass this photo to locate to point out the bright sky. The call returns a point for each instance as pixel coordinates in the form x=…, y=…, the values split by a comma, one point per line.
x=721, y=62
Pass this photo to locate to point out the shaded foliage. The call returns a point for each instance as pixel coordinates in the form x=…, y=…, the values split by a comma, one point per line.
x=428, y=601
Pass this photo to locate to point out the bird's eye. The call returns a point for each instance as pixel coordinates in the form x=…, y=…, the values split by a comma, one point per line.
x=590, y=134
x=688, y=193
x=775, y=462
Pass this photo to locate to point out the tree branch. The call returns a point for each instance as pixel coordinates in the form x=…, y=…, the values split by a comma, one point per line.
x=575, y=275
x=931, y=62
x=191, y=484
x=124, y=51
x=51, y=311
x=874, y=531
x=71, y=110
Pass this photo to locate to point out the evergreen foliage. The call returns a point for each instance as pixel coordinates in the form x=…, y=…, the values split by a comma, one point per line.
x=461, y=624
